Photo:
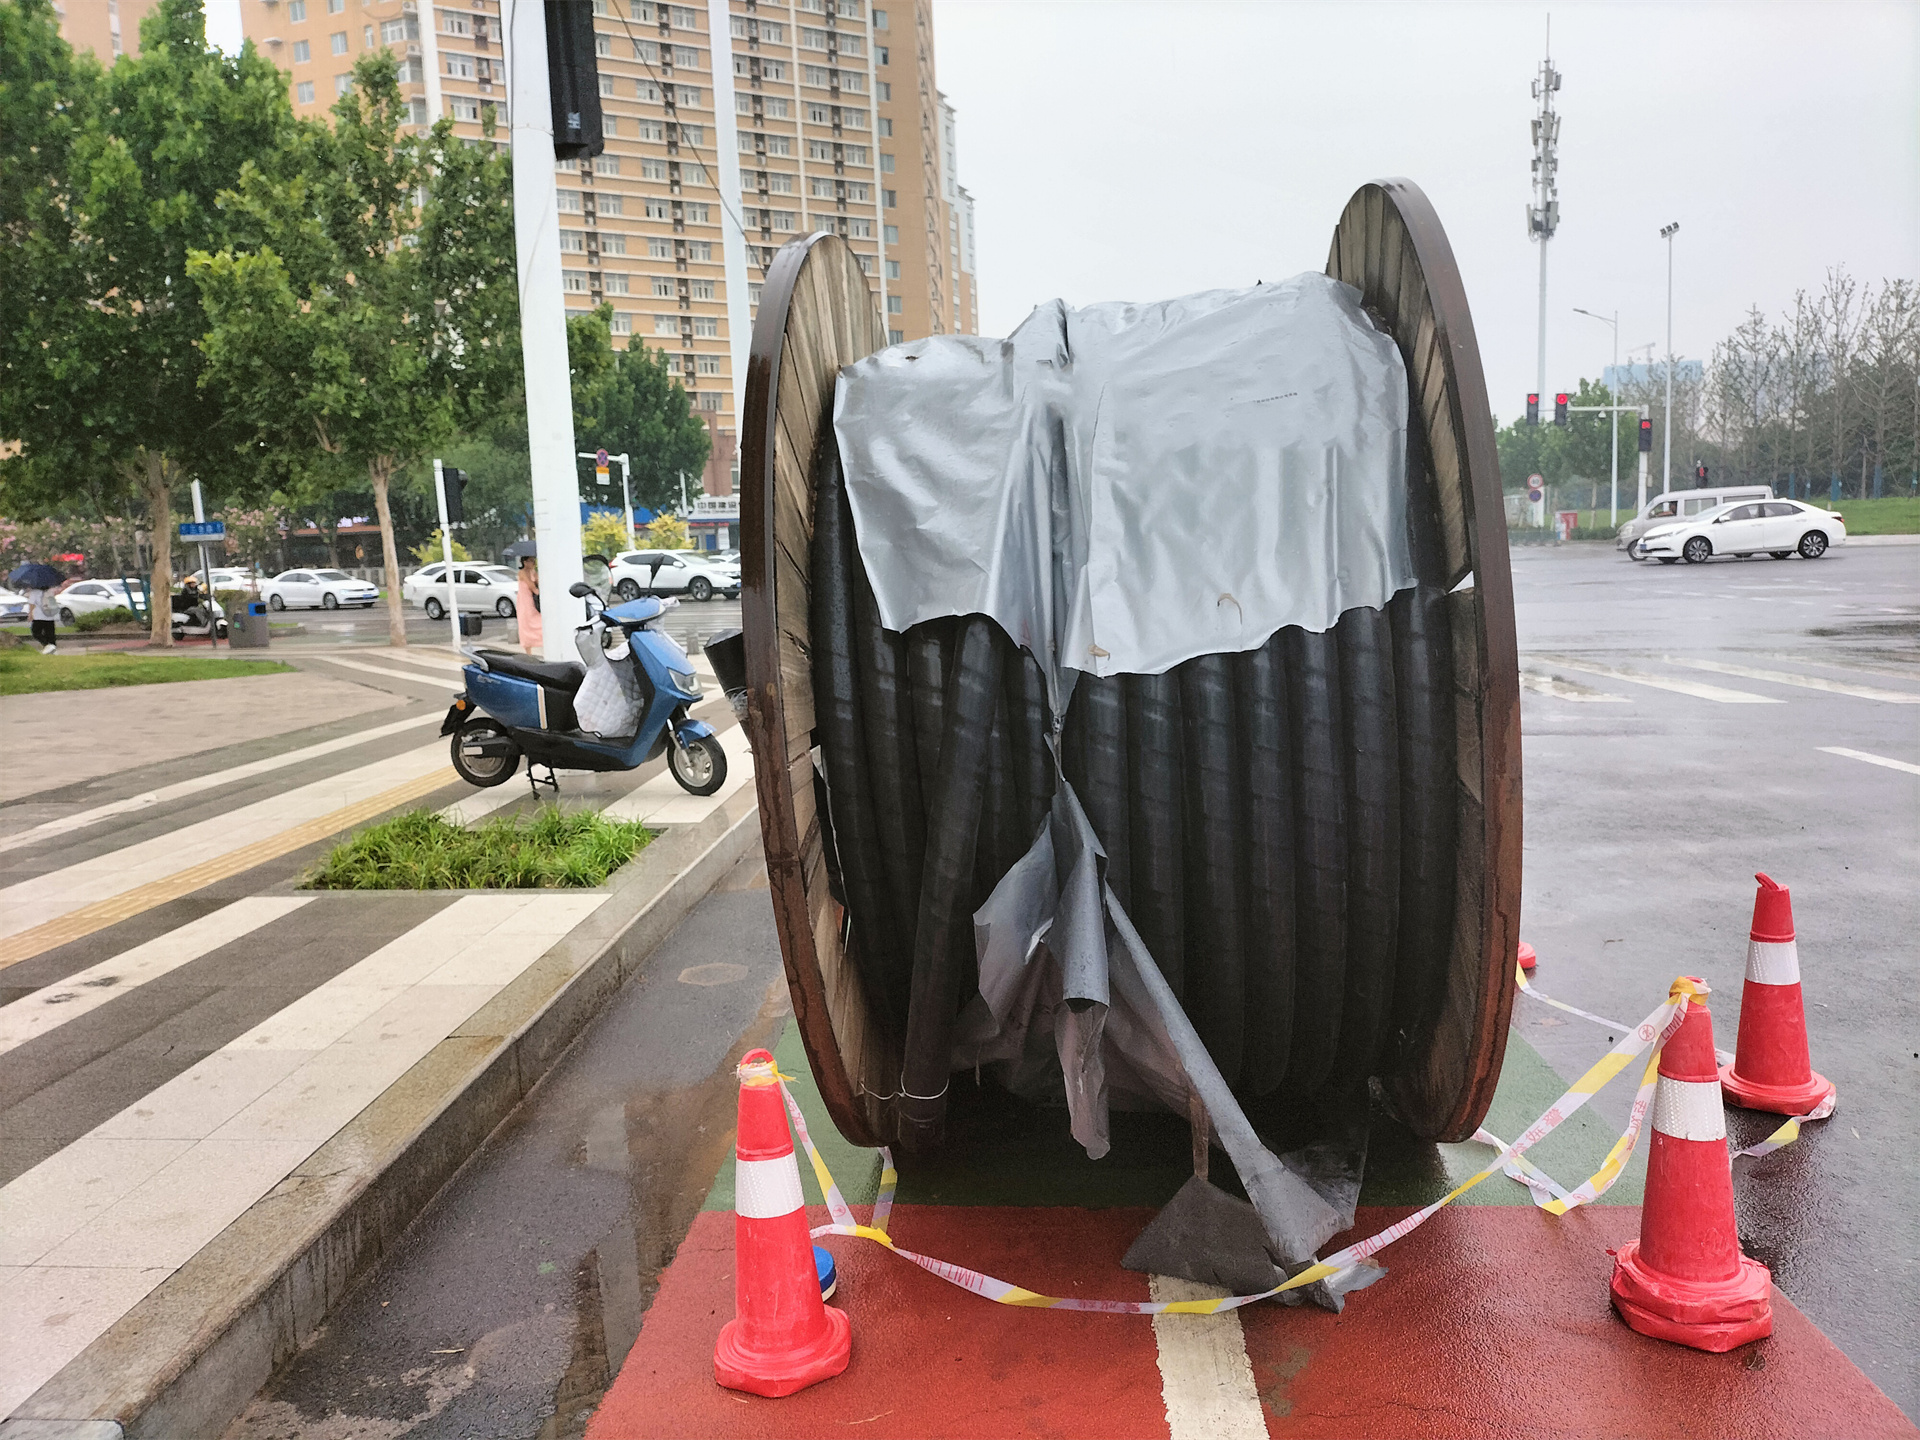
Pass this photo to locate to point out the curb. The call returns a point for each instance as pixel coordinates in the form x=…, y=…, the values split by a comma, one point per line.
x=190, y=1356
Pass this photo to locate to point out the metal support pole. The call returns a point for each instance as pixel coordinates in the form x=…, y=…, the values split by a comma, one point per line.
x=206, y=571
x=626, y=495
x=1643, y=472
x=543, y=332
x=446, y=549
x=1666, y=458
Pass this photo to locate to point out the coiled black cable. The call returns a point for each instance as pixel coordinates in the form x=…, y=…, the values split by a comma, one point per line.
x=1279, y=823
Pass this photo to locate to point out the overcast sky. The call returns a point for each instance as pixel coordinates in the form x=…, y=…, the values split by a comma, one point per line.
x=1136, y=151
x=1132, y=151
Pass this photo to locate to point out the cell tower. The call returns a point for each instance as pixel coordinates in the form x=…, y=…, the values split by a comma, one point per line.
x=1543, y=213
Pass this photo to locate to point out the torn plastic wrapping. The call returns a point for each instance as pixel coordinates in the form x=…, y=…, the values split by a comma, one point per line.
x=1123, y=488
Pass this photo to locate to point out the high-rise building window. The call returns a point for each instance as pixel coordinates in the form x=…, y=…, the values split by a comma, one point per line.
x=606, y=87
x=303, y=92
x=893, y=268
x=886, y=163
x=459, y=66
x=646, y=50
x=652, y=130
x=603, y=46
x=337, y=42
x=574, y=241
x=622, y=323
x=890, y=198
x=615, y=284
x=610, y=205
x=666, y=324
x=297, y=11
x=879, y=19
x=573, y=281
x=895, y=337
x=706, y=326
x=659, y=249
x=684, y=18
x=696, y=214
x=886, y=125
x=609, y=125
x=659, y=208
x=302, y=52
x=663, y=287
x=699, y=250
x=342, y=84
x=465, y=109
x=606, y=164
x=653, y=169
x=700, y=289
x=891, y=233
x=753, y=293
x=708, y=400
x=366, y=37
x=881, y=55
x=334, y=7
x=646, y=90
x=883, y=91
x=686, y=57
x=567, y=202
x=861, y=230
x=392, y=32
x=612, y=244
x=779, y=145
x=708, y=365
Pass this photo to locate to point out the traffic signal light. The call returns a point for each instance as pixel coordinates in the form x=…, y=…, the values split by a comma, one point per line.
x=574, y=78
x=1533, y=409
x=1560, y=411
x=455, y=481
x=1646, y=436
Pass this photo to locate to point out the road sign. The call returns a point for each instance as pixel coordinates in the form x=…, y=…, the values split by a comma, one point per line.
x=600, y=458
x=203, y=529
x=1534, y=493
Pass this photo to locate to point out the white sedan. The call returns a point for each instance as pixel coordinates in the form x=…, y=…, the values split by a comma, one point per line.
x=327, y=589
x=86, y=597
x=673, y=572
x=1780, y=528
x=493, y=589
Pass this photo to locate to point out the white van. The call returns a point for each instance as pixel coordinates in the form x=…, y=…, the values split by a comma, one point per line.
x=1682, y=505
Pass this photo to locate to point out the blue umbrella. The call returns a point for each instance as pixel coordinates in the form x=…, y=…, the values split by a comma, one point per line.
x=34, y=576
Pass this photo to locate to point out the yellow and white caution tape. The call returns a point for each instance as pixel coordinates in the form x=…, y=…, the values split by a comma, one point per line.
x=1650, y=1034
x=1790, y=1132
x=1526, y=988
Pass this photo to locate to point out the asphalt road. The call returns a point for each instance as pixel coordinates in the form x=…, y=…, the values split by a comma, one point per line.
x=689, y=623
x=1648, y=809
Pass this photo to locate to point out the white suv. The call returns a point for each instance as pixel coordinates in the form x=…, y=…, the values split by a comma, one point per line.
x=673, y=572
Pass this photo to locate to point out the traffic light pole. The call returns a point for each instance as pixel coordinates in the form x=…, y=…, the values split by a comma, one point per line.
x=446, y=550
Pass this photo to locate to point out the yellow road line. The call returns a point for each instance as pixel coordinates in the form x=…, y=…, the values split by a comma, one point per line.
x=102, y=913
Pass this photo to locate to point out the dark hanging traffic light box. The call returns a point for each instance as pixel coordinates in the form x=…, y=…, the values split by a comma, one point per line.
x=574, y=80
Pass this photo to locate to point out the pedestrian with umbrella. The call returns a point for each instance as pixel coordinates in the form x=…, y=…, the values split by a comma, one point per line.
x=38, y=582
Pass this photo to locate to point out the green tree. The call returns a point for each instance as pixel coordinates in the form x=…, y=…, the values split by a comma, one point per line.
x=628, y=401
x=110, y=182
x=339, y=325
x=605, y=533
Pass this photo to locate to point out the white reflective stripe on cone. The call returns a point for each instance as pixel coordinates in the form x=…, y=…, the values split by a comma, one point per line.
x=1773, y=962
x=1689, y=1110
x=766, y=1189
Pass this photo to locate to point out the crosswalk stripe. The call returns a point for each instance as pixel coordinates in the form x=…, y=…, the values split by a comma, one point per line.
x=469, y=808
x=212, y=780
x=416, y=677
x=1695, y=688
x=1566, y=689
x=85, y=919
x=1869, y=758
x=121, y=1208
x=1806, y=682
x=85, y=991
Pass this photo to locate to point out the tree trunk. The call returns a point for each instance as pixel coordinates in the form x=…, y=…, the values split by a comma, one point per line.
x=154, y=484
x=380, y=471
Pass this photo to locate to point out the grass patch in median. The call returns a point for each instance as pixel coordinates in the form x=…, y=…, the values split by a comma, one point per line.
x=1889, y=515
x=25, y=671
x=420, y=851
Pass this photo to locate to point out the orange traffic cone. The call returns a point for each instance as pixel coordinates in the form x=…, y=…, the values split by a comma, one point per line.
x=1771, y=1068
x=782, y=1338
x=1685, y=1279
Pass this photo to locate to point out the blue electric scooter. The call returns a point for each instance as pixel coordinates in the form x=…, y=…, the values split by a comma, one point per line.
x=515, y=705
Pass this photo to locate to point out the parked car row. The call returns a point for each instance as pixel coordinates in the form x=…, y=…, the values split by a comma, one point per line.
x=491, y=588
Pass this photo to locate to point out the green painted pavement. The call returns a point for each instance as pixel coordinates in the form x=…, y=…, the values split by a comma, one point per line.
x=1003, y=1152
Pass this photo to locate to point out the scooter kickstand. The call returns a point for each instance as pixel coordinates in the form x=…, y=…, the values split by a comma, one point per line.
x=552, y=782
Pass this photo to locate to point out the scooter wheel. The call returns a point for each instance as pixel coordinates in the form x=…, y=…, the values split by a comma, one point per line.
x=700, y=768
x=484, y=754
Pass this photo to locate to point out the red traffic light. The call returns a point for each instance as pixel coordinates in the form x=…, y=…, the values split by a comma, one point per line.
x=1533, y=408
x=1560, y=409
x=1646, y=436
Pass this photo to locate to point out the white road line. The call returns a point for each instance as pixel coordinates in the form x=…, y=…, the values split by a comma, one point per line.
x=1870, y=759
x=1206, y=1379
x=1661, y=682
x=1855, y=667
x=135, y=1198
x=1806, y=682
x=422, y=657
x=59, y=892
x=214, y=779
x=52, y=1006
x=481, y=803
x=1566, y=689
x=434, y=680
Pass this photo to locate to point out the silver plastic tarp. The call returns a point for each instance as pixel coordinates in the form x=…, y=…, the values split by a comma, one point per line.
x=1122, y=488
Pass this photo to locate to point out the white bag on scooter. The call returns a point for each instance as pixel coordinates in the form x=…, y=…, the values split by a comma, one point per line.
x=608, y=702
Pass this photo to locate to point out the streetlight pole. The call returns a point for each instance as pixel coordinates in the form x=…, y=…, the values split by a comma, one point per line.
x=1666, y=459
x=1613, y=397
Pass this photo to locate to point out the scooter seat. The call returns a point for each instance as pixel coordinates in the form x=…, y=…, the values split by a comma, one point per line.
x=562, y=675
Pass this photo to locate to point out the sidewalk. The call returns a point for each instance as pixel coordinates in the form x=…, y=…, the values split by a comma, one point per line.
x=208, y=1076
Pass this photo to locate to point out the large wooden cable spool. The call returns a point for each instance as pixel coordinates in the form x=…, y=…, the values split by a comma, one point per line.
x=818, y=314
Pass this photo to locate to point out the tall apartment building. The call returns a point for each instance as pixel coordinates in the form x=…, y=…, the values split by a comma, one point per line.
x=109, y=28
x=835, y=122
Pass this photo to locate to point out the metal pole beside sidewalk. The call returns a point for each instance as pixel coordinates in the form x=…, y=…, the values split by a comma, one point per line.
x=446, y=549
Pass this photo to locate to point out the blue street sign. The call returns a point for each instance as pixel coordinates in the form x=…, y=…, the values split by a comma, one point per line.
x=203, y=529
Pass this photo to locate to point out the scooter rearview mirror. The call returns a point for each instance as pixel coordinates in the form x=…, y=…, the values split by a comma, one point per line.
x=580, y=589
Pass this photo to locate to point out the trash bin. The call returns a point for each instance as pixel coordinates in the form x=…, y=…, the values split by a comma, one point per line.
x=247, y=626
x=469, y=623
